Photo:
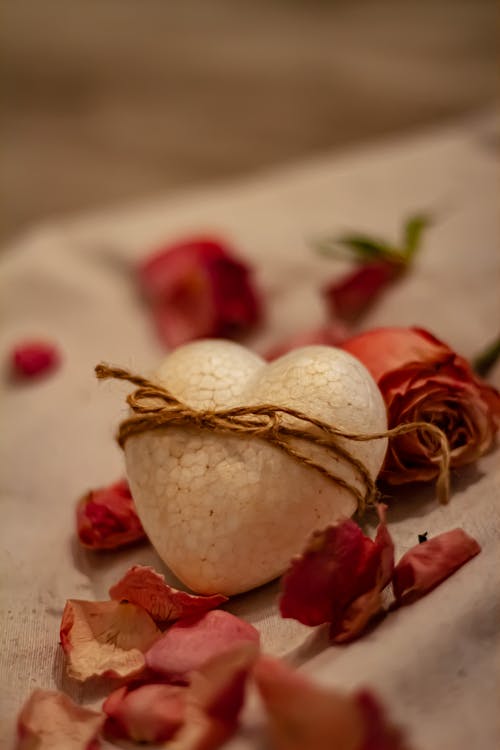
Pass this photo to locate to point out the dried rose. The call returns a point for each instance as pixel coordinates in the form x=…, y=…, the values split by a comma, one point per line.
x=422, y=379
x=339, y=579
x=106, y=639
x=148, y=713
x=331, y=335
x=303, y=715
x=198, y=289
x=142, y=585
x=429, y=563
x=49, y=720
x=190, y=643
x=106, y=518
x=31, y=359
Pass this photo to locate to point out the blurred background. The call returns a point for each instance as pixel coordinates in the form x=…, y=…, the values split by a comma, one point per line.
x=105, y=101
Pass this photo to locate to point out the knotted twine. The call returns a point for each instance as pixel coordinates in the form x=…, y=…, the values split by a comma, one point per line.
x=155, y=408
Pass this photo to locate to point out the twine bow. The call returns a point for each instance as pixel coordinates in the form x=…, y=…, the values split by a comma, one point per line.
x=155, y=408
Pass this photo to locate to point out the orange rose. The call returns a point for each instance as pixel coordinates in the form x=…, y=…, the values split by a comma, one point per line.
x=422, y=379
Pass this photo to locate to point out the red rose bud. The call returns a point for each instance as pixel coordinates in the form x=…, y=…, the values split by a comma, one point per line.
x=198, y=289
x=422, y=379
x=351, y=296
x=31, y=359
x=106, y=518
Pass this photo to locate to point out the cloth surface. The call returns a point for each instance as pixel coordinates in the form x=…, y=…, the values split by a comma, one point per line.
x=432, y=663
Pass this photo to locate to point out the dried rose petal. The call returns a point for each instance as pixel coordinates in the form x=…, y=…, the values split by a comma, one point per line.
x=352, y=296
x=30, y=359
x=106, y=638
x=215, y=698
x=198, y=289
x=303, y=715
x=339, y=578
x=426, y=565
x=51, y=721
x=148, y=713
x=107, y=519
x=190, y=643
x=331, y=335
x=142, y=585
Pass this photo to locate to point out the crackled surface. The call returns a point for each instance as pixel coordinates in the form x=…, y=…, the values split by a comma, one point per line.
x=227, y=513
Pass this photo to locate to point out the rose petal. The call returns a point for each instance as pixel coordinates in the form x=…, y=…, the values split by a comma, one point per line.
x=197, y=289
x=30, y=359
x=352, y=296
x=148, y=713
x=106, y=518
x=142, y=585
x=426, y=565
x=303, y=715
x=190, y=643
x=339, y=578
x=49, y=720
x=332, y=335
x=105, y=638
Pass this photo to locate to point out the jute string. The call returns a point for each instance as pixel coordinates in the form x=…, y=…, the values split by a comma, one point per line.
x=155, y=408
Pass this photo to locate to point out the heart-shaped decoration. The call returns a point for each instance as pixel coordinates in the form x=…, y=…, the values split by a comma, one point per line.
x=226, y=513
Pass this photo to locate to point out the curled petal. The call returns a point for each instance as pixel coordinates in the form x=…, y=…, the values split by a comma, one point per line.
x=49, y=720
x=189, y=643
x=198, y=289
x=31, y=359
x=351, y=297
x=142, y=585
x=426, y=565
x=332, y=335
x=106, y=518
x=105, y=638
x=339, y=578
x=148, y=713
x=303, y=715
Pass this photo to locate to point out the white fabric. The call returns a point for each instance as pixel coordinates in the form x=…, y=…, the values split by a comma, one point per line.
x=434, y=662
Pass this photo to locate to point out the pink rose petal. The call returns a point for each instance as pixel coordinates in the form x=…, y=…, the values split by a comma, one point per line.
x=106, y=518
x=352, y=296
x=426, y=565
x=148, y=713
x=339, y=578
x=31, y=359
x=190, y=643
x=303, y=715
x=105, y=638
x=51, y=721
x=142, y=585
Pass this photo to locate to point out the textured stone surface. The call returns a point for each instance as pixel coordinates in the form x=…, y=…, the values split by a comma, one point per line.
x=227, y=513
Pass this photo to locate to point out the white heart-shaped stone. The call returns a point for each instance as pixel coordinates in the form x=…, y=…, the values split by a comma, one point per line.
x=226, y=513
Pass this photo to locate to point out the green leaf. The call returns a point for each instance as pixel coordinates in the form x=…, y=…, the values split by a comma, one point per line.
x=363, y=247
x=412, y=234
x=483, y=363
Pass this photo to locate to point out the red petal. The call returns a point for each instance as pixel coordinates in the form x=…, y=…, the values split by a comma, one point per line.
x=426, y=565
x=190, y=643
x=149, y=713
x=106, y=518
x=351, y=296
x=332, y=335
x=196, y=289
x=31, y=359
x=303, y=715
x=51, y=721
x=105, y=638
x=338, y=579
x=142, y=585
